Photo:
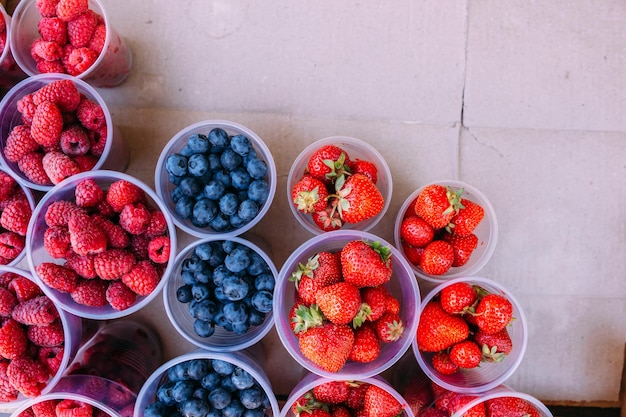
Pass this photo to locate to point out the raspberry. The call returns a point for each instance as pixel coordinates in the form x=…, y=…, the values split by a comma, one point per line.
x=105, y=209
x=88, y=193
x=18, y=195
x=159, y=249
x=85, y=162
x=74, y=140
x=85, y=236
x=47, y=124
x=135, y=218
x=63, y=93
x=28, y=376
x=81, y=28
x=113, y=263
x=7, y=185
x=158, y=224
x=82, y=265
x=59, y=212
x=51, y=357
x=16, y=216
x=45, y=408
x=98, y=139
x=78, y=60
x=23, y=288
x=50, y=335
x=11, y=245
x=47, y=8
x=53, y=29
x=19, y=143
x=59, y=166
x=56, y=241
x=116, y=236
x=73, y=408
x=7, y=391
x=123, y=192
x=57, y=277
x=139, y=246
x=13, y=341
x=32, y=167
x=45, y=67
x=142, y=279
x=70, y=9
x=98, y=39
x=90, y=114
x=26, y=107
x=7, y=302
x=119, y=296
x=36, y=311
x=90, y=292
x=46, y=50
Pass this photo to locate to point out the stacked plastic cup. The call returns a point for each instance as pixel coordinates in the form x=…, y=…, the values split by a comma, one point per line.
x=10, y=72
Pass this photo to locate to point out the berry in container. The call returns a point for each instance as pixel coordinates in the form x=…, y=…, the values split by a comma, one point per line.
x=17, y=203
x=10, y=72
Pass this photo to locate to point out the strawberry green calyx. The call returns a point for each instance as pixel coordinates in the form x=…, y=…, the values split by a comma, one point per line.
x=454, y=197
x=307, y=403
x=306, y=200
x=492, y=354
x=307, y=317
x=365, y=311
x=383, y=251
x=338, y=168
x=304, y=270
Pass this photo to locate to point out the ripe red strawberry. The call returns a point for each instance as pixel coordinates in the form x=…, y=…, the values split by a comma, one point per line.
x=119, y=296
x=123, y=192
x=458, y=297
x=13, y=341
x=90, y=292
x=389, y=328
x=494, y=346
x=74, y=140
x=37, y=311
x=339, y=302
x=70, y=9
x=376, y=299
x=309, y=195
x=90, y=114
x=31, y=166
x=59, y=166
x=437, y=204
x=493, y=313
x=510, y=407
x=380, y=403
x=366, y=264
x=412, y=254
x=302, y=318
x=328, y=163
x=437, y=258
x=85, y=236
x=27, y=375
x=113, y=263
x=49, y=335
x=441, y=363
x=306, y=288
x=47, y=124
x=462, y=247
x=466, y=354
x=63, y=93
x=366, y=347
x=57, y=277
x=15, y=217
x=416, y=232
x=356, y=396
x=367, y=168
x=358, y=198
x=81, y=28
x=327, y=219
x=417, y=394
x=438, y=330
x=340, y=411
x=467, y=218
x=19, y=143
x=461, y=401
x=333, y=392
x=143, y=278
x=327, y=346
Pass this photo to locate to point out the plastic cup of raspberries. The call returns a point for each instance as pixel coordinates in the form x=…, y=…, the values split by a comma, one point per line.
x=54, y=126
x=339, y=183
x=208, y=383
x=72, y=37
x=10, y=72
x=446, y=229
x=101, y=244
x=345, y=305
x=369, y=397
x=472, y=335
x=220, y=293
x=16, y=207
x=37, y=339
x=217, y=178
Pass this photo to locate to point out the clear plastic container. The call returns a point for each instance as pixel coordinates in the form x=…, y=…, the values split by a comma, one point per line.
x=31, y=202
x=115, y=155
x=36, y=252
x=112, y=66
x=486, y=231
x=164, y=186
x=222, y=340
x=10, y=72
x=356, y=149
x=403, y=286
x=489, y=374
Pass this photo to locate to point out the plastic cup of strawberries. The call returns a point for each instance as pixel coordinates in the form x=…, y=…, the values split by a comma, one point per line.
x=472, y=335
x=439, y=246
x=325, y=193
x=101, y=244
x=379, y=319
x=16, y=207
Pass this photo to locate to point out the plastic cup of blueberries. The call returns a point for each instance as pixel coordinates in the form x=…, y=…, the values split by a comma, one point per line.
x=10, y=72
x=114, y=57
x=233, y=382
x=219, y=295
x=217, y=178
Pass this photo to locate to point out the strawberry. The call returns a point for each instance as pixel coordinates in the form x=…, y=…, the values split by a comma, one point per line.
x=309, y=195
x=376, y=299
x=306, y=289
x=356, y=396
x=327, y=346
x=327, y=219
x=433, y=412
x=458, y=297
x=334, y=392
x=367, y=168
x=467, y=219
x=438, y=330
x=412, y=254
x=339, y=302
x=417, y=394
x=510, y=407
x=493, y=313
x=366, y=347
x=416, y=232
x=462, y=247
x=302, y=318
x=340, y=411
x=324, y=268
x=380, y=403
x=328, y=163
x=366, y=264
x=494, y=346
x=442, y=363
x=466, y=354
x=389, y=327
x=437, y=204
x=358, y=198
x=437, y=258
x=461, y=401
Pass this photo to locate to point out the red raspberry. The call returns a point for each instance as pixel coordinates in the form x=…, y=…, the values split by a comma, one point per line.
x=113, y=263
x=88, y=193
x=85, y=162
x=98, y=139
x=56, y=241
x=18, y=195
x=13, y=341
x=28, y=376
x=123, y=192
x=46, y=50
x=82, y=265
x=73, y=408
x=51, y=357
x=6, y=278
x=63, y=93
x=23, y=288
x=135, y=218
x=7, y=391
x=50, y=335
x=32, y=167
x=78, y=60
x=81, y=28
x=119, y=296
x=139, y=246
x=16, y=216
x=26, y=107
x=11, y=245
x=116, y=236
x=99, y=37
x=47, y=8
x=7, y=302
x=70, y=9
x=90, y=292
x=57, y=277
x=59, y=166
x=90, y=114
x=74, y=140
x=158, y=224
x=47, y=124
x=59, y=212
x=19, y=143
x=7, y=186
x=46, y=67
x=53, y=29
x=86, y=237
x=159, y=249
x=36, y=311
x=142, y=279
x=44, y=408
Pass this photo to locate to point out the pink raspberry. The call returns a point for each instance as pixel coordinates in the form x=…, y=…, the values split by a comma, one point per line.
x=49, y=335
x=31, y=166
x=24, y=289
x=142, y=279
x=113, y=263
x=19, y=143
x=53, y=29
x=73, y=408
x=158, y=224
x=13, y=341
x=98, y=139
x=90, y=114
x=7, y=390
x=46, y=50
x=81, y=28
x=90, y=292
x=59, y=166
x=18, y=195
x=26, y=107
x=63, y=93
x=6, y=278
x=46, y=67
x=116, y=236
x=8, y=185
x=86, y=237
x=36, y=311
x=59, y=212
x=85, y=162
x=88, y=193
x=16, y=216
x=28, y=376
x=51, y=357
x=135, y=218
x=47, y=8
x=57, y=277
x=56, y=241
x=70, y=9
x=119, y=296
x=78, y=60
x=159, y=249
x=82, y=265
x=98, y=39
x=74, y=140
x=123, y=192
x=11, y=245
x=139, y=246
x=7, y=302
x=47, y=124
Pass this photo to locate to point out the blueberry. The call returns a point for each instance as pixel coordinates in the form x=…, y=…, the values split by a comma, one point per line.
x=203, y=328
x=217, y=254
x=237, y=222
x=203, y=212
x=262, y=301
x=257, y=264
x=203, y=251
x=210, y=381
x=194, y=407
x=251, y=155
x=214, y=162
x=219, y=139
x=184, y=207
x=177, y=193
x=173, y=179
x=252, y=397
x=240, y=144
x=183, y=294
x=190, y=186
x=229, y=203
x=240, y=328
x=214, y=190
x=188, y=277
x=230, y=159
x=200, y=291
x=198, y=165
x=234, y=409
x=159, y=409
x=183, y=390
x=258, y=412
x=238, y=260
x=234, y=288
x=200, y=393
x=203, y=310
x=164, y=393
x=228, y=385
x=193, y=264
x=219, y=274
x=240, y=179
x=221, y=223
x=220, y=320
x=257, y=168
x=235, y=312
x=214, y=413
x=229, y=245
x=255, y=317
x=222, y=176
x=176, y=164
x=264, y=282
x=198, y=143
x=248, y=209
x=219, y=398
x=198, y=368
x=242, y=378
x=258, y=191
x=222, y=367
x=178, y=372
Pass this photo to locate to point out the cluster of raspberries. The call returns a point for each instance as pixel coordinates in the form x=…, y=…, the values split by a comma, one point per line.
x=31, y=338
x=15, y=213
x=114, y=245
x=72, y=37
x=63, y=132
x=67, y=408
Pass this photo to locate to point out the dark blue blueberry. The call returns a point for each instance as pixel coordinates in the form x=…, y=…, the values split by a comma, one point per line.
x=159, y=409
x=228, y=385
x=214, y=162
x=241, y=144
x=230, y=159
x=219, y=295
x=219, y=274
x=164, y=393
x=238, y=260
x=211, y=381
x=242, y=378
x=221, y=223
x=234, y=409
x=176, y=164
x=194, y=407
x=183, y=390
x=257, y=168
x=178, y=372
x=251, y=155
x=229, y=203
x=200, y=291
x=214, y=413
x=193, y=264
x=258, y=412
x=203, y=328
x=220, y=320
x=188, y=277
x=203, y=310
x=204, y=277
x=217, y=254
x=262, y=301
x=201, y=393
x=236, y=312
x=219, y=139
x=241, y=328
x=252, y=397
x=174, y=179
x=229, y=245
x=183, y=294
x=199, y=143
x=198, y=165
x=257, y=264
x=186, y=151
x=255, y=317
x=234, y=288
x=219, y=398
x=203, y=251
x=240, y=179
x=214, y=190
x=190, y=186
x=248, y=209
x=203, y=212
x=237, y=222
x=198, y=368
x=184, y=207
x=258, y=191
x=176, y=194
x=222, y=176
x=222, y=367
x=264, y=282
